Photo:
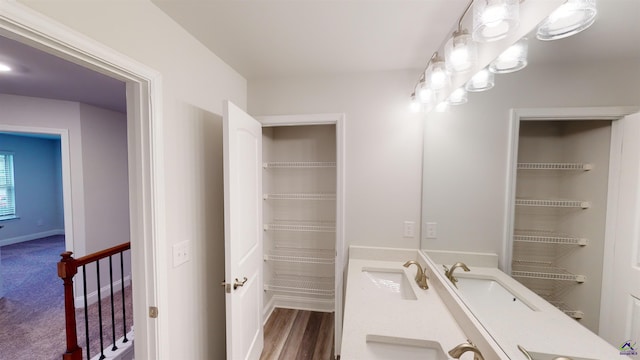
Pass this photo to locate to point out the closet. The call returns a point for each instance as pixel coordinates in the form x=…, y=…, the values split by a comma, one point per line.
x=302, y=207
x=560, y=213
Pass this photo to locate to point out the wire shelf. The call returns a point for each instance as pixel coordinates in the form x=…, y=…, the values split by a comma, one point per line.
x=555, y=166
x=303, y=196
x=306, y=286
x=545, y=273
x=322, y=227
x=298, y=164
x=303, y=257
x=576, y=314
x=553, y=203
x=548, y=237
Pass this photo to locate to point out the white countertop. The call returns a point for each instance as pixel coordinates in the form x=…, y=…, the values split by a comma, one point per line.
x=426, y=318
x=545, y=329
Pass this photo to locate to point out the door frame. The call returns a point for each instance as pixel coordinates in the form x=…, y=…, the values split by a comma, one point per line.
x=612, y=113
x=145, y=149
x=337, y=119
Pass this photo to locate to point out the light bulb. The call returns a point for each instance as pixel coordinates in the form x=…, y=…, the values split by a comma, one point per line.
x=512, y=59
x=569, y=19
x=460, y=52
x=424, y=93
x=481, y=81
x=437, y=76
x=494, y=19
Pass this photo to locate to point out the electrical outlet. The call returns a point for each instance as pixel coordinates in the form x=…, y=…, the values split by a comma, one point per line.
x=181, y=253
x=409, y=227
x=431, y=230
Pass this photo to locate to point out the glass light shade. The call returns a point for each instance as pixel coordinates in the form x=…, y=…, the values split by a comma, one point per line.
x=494, y=19
x=460, y=52
x=415, y=105
x=481, y=81
x=512, y=59
x=458, y=97
x=569, y=19
x=424, y=93
x=437, y=76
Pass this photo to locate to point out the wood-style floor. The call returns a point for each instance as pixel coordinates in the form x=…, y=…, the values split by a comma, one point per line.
x=298, y=334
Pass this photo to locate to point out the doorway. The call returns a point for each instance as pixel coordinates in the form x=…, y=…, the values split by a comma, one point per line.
x=144, y=151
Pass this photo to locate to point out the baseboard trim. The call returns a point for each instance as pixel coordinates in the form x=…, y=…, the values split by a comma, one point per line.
x=29, y=237
x=298, y=303
x=125, y=351
x=105, y=291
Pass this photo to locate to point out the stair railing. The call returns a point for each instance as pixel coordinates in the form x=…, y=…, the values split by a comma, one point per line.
x=67, y=269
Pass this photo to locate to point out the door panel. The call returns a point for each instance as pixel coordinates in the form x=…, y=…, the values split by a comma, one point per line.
x=243, y=233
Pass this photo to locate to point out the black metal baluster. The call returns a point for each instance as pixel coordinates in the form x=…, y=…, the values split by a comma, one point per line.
x=86, y=310
x=113, y=310
x=102, y=356
x=124, y=308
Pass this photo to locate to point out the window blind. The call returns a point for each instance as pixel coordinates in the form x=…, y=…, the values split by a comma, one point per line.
x=7, y=195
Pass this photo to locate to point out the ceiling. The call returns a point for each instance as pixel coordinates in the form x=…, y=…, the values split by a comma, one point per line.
x=278, y=38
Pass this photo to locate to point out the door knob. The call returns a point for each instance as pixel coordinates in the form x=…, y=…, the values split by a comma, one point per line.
x=238, y=283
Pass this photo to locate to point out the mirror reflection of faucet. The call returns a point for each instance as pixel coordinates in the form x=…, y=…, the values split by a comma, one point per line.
x=421, y=276
x=449, y=272
x=457, y=351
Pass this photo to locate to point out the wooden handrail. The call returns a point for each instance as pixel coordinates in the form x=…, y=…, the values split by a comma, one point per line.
x=67, y=269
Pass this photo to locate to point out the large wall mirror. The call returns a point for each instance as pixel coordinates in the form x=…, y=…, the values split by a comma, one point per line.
x=471, y=152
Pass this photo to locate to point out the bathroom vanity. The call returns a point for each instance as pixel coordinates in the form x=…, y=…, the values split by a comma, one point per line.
x=387, y=315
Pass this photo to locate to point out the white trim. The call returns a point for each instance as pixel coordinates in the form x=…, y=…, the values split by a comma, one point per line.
x=295, y=302
x=29, y=237
x=575, y=113
x=65, y=160
x=105, y=291
x=296, y=120
x=337, y=119
x=144, y=118
x=610, y=231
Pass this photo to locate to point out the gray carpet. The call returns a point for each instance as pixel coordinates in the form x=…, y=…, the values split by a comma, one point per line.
x=32, y=311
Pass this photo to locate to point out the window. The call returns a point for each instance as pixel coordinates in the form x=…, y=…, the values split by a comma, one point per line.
x=7, y=198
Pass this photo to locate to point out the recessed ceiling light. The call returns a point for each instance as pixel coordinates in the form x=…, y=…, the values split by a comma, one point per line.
x=4, y=67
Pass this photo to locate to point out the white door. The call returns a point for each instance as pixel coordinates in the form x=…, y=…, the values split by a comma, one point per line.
x=243, y=233
x=620, y=314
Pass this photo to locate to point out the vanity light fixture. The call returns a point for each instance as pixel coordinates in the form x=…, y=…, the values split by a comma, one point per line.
x=458, y=97
x=512, y=59
x=4, y=67
x=442, y=107
x=438, y=79
x=569, y=19
x=424, y=93
x=483, y=80
x=460, y=51
x=494, y=19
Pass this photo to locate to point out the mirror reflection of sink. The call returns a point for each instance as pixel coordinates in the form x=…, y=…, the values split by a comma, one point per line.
x=486, y=293
x=542, y=356
x=388, y=347
x=389, y=282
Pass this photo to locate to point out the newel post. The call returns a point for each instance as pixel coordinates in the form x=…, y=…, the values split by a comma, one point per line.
x=66, y=270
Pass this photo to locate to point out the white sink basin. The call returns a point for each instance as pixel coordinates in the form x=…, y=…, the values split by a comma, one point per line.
x=388, y=347
x=489, y=295
x=389, y=282
x=542, y=356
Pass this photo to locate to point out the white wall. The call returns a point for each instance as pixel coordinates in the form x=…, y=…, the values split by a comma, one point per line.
x=194, y=83
x=106, y=181
x=383, y=145
x=465, y=149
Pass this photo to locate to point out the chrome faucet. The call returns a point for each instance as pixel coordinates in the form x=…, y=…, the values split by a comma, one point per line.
x=449, y=272
x=457, y=351
x=421, y=277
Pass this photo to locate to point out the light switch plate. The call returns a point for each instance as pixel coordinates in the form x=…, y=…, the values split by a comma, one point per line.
x=431, y=230
x=409, y=229
x=181, y=253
